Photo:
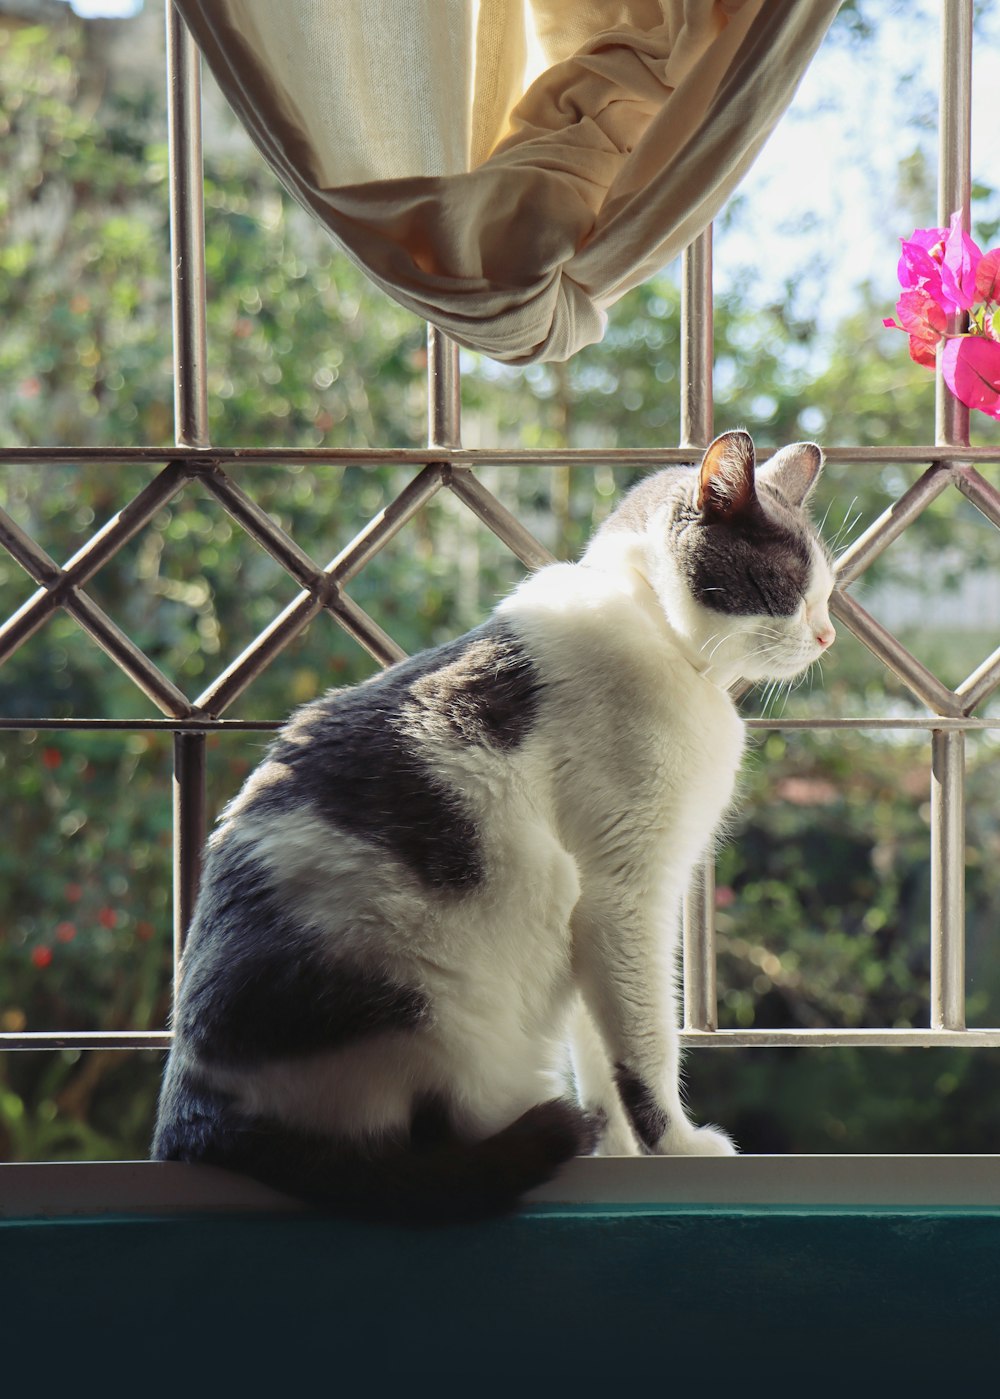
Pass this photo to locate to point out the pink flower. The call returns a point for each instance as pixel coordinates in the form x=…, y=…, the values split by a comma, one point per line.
x=924, y=321
x=971, y=368
x=920, y=261
x=943, y=272
x=958, y=267
x=988, y=276
x=943, y=262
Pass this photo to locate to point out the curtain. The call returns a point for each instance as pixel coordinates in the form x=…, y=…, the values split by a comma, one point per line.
x=508, y=169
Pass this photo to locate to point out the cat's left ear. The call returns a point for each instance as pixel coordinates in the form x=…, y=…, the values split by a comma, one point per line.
x=793, y=471
x=725, y=478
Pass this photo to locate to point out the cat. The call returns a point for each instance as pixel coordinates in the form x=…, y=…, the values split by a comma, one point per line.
x=433, y=953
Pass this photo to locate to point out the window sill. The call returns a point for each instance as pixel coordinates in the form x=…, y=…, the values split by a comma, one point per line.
x=51, y=1190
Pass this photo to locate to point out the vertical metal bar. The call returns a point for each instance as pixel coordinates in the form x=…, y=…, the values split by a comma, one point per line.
x=444, y=391
x=954, y=175
x=187, y=233
x=697, y=342
x=701, y=999
x=187, y=278
x=948, y=880
x=951, y=429
x=696, y=424
x=190, y=793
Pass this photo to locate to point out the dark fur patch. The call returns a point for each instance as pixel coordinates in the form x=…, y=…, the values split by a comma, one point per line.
x=749, y=567
x=431, y=1175
x=489, y=694
x=257, y=987
x=755, y=564
x=639, y=1101
x=354, y=755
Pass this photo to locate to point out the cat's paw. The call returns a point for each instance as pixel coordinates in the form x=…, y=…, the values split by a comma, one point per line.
x=696, y=1141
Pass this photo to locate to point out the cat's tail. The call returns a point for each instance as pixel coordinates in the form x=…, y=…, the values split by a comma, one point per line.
x=434, y=1177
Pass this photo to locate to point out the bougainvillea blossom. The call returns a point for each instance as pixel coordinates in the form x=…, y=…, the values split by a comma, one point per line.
x=971, y=369
x=943, y=272
x=924, y=322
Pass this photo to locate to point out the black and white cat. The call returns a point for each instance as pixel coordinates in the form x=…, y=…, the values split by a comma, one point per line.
x=433, y=956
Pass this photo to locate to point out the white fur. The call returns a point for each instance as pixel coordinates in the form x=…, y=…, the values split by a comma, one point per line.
x=590, y=829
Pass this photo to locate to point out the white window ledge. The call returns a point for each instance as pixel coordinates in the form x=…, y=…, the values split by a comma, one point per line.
x=787, y=1183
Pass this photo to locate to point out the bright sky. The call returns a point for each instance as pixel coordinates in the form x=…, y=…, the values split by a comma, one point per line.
x=824, y=194
x=106, y=9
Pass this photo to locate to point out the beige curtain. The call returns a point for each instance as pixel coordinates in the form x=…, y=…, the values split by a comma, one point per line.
x=508, y=169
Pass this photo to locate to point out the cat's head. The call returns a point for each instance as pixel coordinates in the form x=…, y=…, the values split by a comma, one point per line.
x=733, y=558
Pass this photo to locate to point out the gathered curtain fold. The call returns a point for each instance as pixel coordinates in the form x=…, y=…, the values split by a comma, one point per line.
x=508, y=169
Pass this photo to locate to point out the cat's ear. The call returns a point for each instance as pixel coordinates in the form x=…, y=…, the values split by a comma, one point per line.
x=725, y=478
x=793, y=471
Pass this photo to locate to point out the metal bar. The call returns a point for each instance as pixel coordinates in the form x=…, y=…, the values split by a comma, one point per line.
x=981, y=683
x=697, y=342
x=444, y=391
x=195, y=725
x=700, y=995
x=948, y=881
x=241, y=673
x=951, y=425
x=984, y=496
x=856, y=455
x=206, y=724
x=366, y=631
x=259, y=526
x=190, y=356
x=507, y=527
x=954, y=176
x=190, y=828
x=238, y=676
x=893, y=654
x=922, y=1038
x=187, y=233
x=387, y=523
x=701, y=1002
x=106, y=633
x=833, y=1039
x=890, y=525
x=87, y=1039
x=59, y=583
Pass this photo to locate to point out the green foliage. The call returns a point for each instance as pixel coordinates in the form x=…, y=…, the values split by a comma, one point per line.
x=822, y=890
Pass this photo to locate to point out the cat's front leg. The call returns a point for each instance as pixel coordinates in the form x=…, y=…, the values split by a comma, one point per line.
x=596, y=1088
x=624, y=969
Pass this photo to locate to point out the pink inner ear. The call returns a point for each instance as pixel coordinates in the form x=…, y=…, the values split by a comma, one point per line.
x=725, y=482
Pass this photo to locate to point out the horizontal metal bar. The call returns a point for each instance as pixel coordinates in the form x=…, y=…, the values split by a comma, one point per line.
x=841, y=1039
x=921, y=455
x=690, y=1039
x=195, y=725
x=87, y=1039
x=944, y=723
x=208, y=725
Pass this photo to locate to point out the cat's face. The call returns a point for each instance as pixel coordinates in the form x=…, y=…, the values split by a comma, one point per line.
x=758, y=577
x=737, y=566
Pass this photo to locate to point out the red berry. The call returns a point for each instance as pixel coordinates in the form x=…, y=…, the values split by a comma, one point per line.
x=41, y=956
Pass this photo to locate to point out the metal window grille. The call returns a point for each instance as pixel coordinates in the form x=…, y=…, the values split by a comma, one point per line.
x=445, y=466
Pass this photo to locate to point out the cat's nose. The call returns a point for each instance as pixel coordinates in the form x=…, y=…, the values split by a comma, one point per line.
x=825, y=635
